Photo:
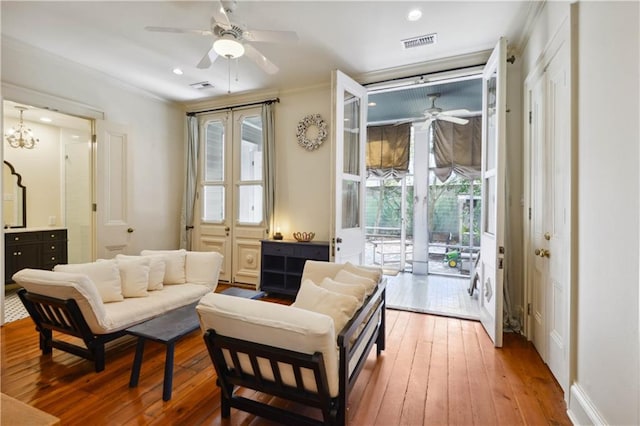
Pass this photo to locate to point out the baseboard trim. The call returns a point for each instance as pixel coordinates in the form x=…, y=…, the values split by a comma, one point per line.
x=581, y=410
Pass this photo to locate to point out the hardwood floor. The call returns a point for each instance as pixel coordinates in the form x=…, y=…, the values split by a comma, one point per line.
x=435, y=370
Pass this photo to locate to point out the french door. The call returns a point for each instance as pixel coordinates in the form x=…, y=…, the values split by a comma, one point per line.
x=229, y=203
x=492, y=248
x=348, y=162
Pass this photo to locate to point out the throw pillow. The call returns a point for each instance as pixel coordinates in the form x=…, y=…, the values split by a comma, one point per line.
x=356, y=290
x=156, y=269
x=344, y=276
x=373, y=273
x=175, y=264
x=339, y=307
x=203, y=267
x=105, y=275
x=134, y=274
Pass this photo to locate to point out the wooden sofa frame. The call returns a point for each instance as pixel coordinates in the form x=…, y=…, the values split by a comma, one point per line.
x=372, y=314
x=63, y=315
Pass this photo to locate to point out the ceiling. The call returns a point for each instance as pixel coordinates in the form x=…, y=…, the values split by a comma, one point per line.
x=357, y=37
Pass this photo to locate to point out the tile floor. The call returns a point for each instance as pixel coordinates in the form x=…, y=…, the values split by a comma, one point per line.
x=13, y=307
x=432, y=294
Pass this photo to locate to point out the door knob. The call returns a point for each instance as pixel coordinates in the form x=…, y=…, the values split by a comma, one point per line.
x=542, y=252
x=130, y=230
x=338, y=240
x=226, y=228
x=547, y=236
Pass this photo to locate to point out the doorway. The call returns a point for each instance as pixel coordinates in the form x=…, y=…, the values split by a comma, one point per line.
x=423, y=220
x=57, y=175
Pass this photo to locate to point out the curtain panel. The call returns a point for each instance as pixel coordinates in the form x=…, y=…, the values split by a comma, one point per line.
x=388, y=150
x=268, y=164
x=457, y=147
x=191, y=184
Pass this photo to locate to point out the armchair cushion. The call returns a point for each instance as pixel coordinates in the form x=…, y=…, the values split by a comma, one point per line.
x=347, y=277
x=356, y=290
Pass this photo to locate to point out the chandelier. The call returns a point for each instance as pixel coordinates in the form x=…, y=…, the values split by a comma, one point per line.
x=20, y=136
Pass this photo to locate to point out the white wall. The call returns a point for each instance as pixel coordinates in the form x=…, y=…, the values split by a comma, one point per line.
x=608, y=208
x=303, y=178
x=156, y=132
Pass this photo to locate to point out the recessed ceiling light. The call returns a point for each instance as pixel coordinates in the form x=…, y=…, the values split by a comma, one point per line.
x=74, y=136
x=45, y=119
x=414, y=15
x=178, y=71
x=372, y=104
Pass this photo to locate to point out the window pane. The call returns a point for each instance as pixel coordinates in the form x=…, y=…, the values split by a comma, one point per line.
x=351, y=134
x=214, y=152
x=491, y=122
x=251, y=149
x=213, y=204
x=350, y=204
x=490, y=206
x=250, y=204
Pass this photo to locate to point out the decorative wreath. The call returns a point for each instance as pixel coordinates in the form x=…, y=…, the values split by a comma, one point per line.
x=311, y=120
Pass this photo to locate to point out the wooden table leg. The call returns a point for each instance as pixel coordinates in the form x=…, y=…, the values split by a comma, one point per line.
x=137, y=363
x=168, y=372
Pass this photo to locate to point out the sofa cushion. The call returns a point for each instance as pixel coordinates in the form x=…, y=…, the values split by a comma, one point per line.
x=64, y=285
x=275, y=325
x=156, y=269
x=175, y=264
x=105, y=275
x=133, y=311
x=203, y=267
x=358, y=291
x=134, y=275
x=340, y=307
x=347, y=277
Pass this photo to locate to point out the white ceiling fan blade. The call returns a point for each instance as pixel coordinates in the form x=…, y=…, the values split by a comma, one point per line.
x=207, y=59
x=178, y=30
x=262, y=61
x=426, y=124
x=456, y=120
x=220, y=16
x=267, y=36
x=456, y=112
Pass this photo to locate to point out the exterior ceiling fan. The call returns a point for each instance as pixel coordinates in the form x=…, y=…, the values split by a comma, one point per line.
x=434, y=113
x=233, y=40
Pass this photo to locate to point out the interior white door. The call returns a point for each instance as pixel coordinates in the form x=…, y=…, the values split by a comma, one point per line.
x=557, y=198
x=212, y=229
x=349, y=118
x=492, y=247
x=112, y=158
x=539, y=216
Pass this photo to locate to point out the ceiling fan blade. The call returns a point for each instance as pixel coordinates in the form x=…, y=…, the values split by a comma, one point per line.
x=220, y=16
x=456, y=112
x=456, y=120
x=262, y=61
x=426, y=124
x=179, y=30
x=207, y=59
x=267, y=36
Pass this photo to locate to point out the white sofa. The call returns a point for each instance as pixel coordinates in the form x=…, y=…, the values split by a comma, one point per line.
x=97, y=301
x=310, y=352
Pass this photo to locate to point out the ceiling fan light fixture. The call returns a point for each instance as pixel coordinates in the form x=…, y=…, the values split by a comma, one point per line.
x=227, y=46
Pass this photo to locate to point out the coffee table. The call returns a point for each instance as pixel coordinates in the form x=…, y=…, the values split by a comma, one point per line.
x=166, y=329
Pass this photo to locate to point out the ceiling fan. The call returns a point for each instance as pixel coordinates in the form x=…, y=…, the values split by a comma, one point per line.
x=233, y=40
x=434, y=113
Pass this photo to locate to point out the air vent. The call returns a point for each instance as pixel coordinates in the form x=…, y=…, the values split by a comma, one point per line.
x=423, y=40
x=202, y=85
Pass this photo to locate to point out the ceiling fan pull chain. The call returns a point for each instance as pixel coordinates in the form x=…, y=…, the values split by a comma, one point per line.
x=229, y=76
x=237, y=70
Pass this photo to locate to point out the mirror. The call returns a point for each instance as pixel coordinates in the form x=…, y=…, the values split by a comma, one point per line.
x=14, y=196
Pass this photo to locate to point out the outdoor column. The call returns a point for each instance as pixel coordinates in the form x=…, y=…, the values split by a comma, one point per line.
x=420, y=188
